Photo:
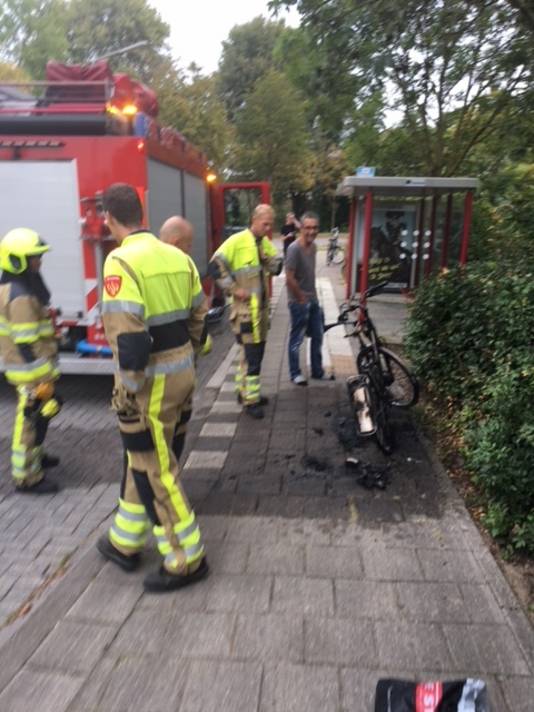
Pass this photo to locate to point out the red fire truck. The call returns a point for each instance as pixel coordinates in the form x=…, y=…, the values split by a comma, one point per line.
x=62, y=142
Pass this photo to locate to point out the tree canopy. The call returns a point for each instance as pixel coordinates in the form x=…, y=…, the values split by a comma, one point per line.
x=34, y=31
x=246, y=56
x=190, y=102
x=450, y=68
x=436, y=88
x=272, y=135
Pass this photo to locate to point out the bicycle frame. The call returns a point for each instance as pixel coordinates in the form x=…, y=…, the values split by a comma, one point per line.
x=367, y=390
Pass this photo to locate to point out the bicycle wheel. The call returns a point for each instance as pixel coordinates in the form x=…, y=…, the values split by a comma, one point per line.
x=338, y=256
x=384, y=432
x=402, y=386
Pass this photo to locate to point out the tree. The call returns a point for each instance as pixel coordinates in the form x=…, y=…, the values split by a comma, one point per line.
x=330, y=96
x=12, y=73
x=364, y=130
x=526, y=12
x=453, y=68
x=247, y=55
x=273, y=138
x=32, y=32
x=100, y=27
x=330, y=168
x=189, y=101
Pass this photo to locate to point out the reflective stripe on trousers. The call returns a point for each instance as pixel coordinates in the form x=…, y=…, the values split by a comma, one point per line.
x=130, y=526
x=188, y=536
x=186, y=529
x=25, y=453
x=251, y=392
x=21, y=373
x=239, y=379
x=151, y=481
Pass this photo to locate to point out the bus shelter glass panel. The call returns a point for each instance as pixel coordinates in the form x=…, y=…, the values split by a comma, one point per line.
x=393, y=245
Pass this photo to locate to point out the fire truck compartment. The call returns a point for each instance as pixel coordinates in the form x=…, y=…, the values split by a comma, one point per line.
x=43, y=195
x=176, y=192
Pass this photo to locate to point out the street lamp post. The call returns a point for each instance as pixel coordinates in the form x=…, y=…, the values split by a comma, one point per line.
x=135, y=45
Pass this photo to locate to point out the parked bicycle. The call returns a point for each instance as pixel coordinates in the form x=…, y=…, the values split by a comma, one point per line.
x=383, y=380
x=335, y=254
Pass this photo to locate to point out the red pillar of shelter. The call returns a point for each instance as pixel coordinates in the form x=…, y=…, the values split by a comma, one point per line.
x=468, y=215
x=352, y=221
x=446, y=233
x=368, y=221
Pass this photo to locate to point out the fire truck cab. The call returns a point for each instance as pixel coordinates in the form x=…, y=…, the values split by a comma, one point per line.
x=62, y=143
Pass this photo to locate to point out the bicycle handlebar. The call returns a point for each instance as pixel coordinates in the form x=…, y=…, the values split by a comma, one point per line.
x=376, y=289
x=355, y=303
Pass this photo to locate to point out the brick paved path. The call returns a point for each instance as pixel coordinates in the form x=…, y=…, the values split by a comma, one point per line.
x=319, y=587
x=39, y=535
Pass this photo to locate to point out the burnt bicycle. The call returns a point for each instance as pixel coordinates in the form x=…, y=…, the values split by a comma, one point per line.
x=383, y=380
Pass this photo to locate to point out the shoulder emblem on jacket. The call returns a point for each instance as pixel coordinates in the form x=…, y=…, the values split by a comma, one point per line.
x=113, y=284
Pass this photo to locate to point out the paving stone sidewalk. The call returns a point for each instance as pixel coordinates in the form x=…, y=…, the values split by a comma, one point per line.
x=40, y=537
x=318, y=586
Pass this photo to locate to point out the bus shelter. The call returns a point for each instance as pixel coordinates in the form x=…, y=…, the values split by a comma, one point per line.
x=405, y=228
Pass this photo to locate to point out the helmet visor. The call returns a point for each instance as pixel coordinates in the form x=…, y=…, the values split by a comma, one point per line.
x=39, y=248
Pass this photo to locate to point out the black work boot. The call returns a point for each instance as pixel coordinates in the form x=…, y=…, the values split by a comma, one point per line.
x=161, y=581
x=108, y=551
x=49, y=461
x=255, y=411
x=44, y=486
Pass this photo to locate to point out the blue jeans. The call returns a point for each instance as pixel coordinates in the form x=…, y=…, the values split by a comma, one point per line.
x=306, y=320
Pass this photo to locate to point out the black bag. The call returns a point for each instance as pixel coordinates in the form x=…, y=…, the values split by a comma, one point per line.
x=454, y=696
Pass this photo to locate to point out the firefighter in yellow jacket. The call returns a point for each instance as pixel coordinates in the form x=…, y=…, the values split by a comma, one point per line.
x=153, y=309
x=28, y=348
x=179, y=232
x=242, y=266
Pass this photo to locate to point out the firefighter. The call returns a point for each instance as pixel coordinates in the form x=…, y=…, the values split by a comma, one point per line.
x=28, y=347
x=153, y=310
x=178, y=231
x=241, y=266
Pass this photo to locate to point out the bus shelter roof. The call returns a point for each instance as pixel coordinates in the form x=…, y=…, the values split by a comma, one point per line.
x=415, y=186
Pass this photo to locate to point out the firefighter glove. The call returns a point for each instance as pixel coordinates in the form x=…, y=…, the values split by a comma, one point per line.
x=206, y=346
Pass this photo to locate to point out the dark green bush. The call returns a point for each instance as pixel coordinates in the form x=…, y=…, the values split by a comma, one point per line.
x=499, y=450
x=470, y=337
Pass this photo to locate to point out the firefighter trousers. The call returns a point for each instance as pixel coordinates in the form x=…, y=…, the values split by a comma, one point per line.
x=180, y=432
x=247, y=375
x=151, y=491
x=250, y=326
x=29, y=432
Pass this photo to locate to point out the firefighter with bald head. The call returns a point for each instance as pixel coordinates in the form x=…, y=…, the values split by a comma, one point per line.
x=241, y=267
x=178, y=231
x=28, y=347
x=153, y=310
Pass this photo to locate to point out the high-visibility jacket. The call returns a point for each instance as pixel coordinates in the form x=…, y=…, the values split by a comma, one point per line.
x=27, y=341
x=153, y=305
x=244, y=262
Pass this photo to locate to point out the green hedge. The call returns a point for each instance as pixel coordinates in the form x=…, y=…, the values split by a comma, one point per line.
x=470, y=337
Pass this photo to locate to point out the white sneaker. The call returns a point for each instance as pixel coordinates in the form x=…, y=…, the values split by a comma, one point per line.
x=300, y=380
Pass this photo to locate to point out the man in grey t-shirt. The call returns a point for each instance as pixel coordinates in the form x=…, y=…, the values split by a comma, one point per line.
x=306, y=314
